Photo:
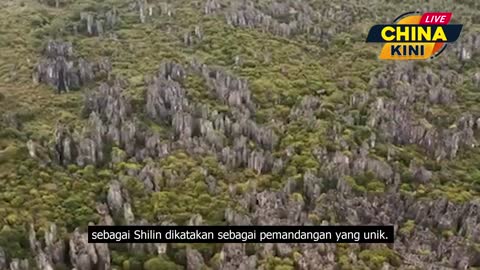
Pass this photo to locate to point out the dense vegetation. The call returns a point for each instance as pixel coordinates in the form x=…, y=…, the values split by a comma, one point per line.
x=213, y=112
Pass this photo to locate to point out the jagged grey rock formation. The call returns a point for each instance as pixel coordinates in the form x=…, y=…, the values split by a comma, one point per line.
x=65, y=148
x=60, y=69
x=150, y=176
x=166, y=102
x=103, y=211
x=331, y=206
x=194, y=259
x=19, y=264
x=164, y=99
x=72, y=148
x=195, y=127
x=227, y=88
x=85, y=256
x=467, y=47
x=39, y=152
x=397, y=120
x=53, y=3
x=212, y=6
x=49, y=254
x=114, y=198
x=233, y=256
x=110, y=122
x=96, y=24
x=290, y=18
x=146, y=9
x=109, y=102
x=193, y=37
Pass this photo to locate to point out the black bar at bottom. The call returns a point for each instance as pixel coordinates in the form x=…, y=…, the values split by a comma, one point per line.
x=240, y=234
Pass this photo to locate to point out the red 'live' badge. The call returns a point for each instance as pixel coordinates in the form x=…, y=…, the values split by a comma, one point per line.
x=436, y=18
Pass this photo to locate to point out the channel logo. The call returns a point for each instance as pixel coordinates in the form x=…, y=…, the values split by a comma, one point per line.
x=415, y=36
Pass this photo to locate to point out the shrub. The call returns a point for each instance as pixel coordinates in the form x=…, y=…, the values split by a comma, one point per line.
x=160, y=264
x=407, y=227
x=376, y=257
x=132, y=264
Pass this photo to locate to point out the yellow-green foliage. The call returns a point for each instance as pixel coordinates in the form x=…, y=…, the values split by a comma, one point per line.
x=376, y=257
x=276, y=263
x=160, y=263
x=407, y=227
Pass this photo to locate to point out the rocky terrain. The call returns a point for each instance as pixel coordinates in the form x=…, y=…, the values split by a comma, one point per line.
x=224, y=112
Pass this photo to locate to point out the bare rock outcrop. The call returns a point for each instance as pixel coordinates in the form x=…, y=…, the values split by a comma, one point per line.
x=53, y=3
x=115, y=198
x=427, y=215
x=193, y=37
x=85, y=256
x=97, y=23
x=65, y=149
x=59, y=69
x=233, y=256
x=164, y=99
x=147, y=9
x=194, y=259
x=19, y=264
x=290, y=18
x=467, y=47
x=212, y=6
x=398, y=122
x=195, y=127
x=229, y=89
x=62, y=70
